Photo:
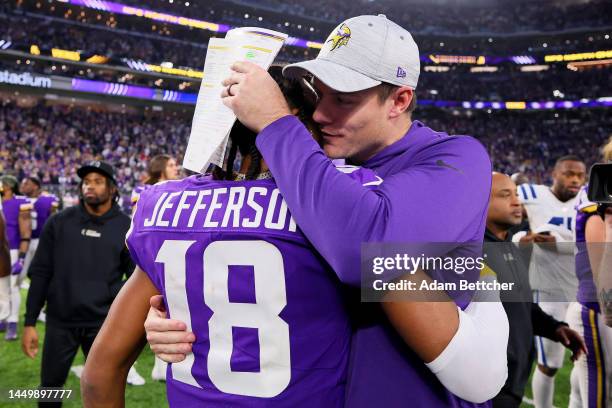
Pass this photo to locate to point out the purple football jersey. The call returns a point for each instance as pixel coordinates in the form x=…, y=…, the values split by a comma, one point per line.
x=43, y=206
x=436, y=189
x=586, y=286
x=268, y=313
x=11, y=209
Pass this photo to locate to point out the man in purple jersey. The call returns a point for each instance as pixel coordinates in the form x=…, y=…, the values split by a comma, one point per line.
x=436, y=189
x=5, y=270
x=45, y=205
x=17, y=214
x=231, y=262
x=591, y=373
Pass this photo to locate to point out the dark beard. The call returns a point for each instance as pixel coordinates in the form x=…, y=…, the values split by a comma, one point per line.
x=566, y=195
x=95, y=202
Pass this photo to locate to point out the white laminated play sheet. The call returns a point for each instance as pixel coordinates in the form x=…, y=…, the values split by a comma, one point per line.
x=212, y=120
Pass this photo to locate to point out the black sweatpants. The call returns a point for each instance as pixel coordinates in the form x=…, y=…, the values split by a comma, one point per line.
x=59, y=349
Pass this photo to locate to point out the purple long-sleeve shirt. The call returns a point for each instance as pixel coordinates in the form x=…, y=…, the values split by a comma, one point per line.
x=436, y=189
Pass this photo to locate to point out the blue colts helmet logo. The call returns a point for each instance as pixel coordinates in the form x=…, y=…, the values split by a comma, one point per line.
x=342, y=37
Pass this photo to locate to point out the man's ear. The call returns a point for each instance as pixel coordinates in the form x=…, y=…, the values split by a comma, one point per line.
x=401, y=99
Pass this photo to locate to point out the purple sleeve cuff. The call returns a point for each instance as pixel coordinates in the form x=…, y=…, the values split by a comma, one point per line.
x=279, y=125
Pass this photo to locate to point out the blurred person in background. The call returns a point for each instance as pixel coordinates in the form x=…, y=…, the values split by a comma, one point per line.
x=552, y=273
x=5, y=270
x=17, y=214
x=526, y=318
x=160, y=168
x=78, y=269
x=591, y=373
x=45, y=204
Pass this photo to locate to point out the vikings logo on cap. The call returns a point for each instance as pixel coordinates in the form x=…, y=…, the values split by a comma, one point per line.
x=342, y=37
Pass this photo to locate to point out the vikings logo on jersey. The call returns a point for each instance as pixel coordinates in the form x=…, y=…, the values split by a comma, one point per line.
x=342, y=37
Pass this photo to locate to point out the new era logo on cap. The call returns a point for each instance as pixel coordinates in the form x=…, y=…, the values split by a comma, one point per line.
x=400, y=73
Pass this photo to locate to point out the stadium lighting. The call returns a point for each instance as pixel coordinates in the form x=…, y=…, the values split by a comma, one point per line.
x=534, y=68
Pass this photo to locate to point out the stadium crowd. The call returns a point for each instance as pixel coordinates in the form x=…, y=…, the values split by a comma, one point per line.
x=419, y=17
x=528, y=142
x=70, y=27
x=51, y=141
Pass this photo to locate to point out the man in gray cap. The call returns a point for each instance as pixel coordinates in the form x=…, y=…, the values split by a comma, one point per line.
x=432, y=188
x=78, y=269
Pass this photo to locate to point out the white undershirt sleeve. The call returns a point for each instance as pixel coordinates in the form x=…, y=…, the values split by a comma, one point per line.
x=474, y=364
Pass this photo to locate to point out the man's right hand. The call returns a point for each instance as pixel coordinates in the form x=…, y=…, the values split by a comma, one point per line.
x=168, y=338
x=29, y=341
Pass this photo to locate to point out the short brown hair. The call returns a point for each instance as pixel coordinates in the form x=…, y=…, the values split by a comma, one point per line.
x=385, y=90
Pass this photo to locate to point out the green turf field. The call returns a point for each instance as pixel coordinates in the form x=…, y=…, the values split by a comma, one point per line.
x=19, y=372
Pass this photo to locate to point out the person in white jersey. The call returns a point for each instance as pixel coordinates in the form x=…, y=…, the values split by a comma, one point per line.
x=551, y=214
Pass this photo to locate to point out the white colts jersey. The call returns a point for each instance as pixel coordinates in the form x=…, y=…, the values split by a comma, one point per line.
x=551, y=271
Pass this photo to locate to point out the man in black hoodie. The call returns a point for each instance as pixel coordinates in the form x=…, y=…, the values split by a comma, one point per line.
x=79, y=266
x=526, y=319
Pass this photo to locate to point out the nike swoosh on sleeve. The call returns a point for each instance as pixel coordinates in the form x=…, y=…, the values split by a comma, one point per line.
x=441, y=163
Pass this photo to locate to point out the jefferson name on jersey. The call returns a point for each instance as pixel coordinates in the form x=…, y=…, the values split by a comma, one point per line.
x=218, y=207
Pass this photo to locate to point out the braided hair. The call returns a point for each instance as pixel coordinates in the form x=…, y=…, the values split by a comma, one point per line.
x=243, y=139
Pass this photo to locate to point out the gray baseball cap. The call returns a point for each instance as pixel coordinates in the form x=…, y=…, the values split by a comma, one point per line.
x=361, y=53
